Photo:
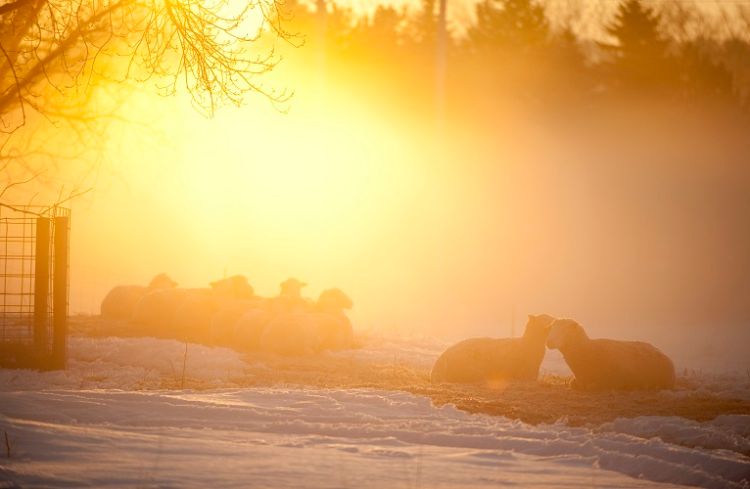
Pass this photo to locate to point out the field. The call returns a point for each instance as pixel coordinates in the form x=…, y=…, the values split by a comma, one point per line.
x=147, y=412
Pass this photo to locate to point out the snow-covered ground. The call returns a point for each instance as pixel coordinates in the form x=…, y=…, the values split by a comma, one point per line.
x=326, y=438
x=118, y=418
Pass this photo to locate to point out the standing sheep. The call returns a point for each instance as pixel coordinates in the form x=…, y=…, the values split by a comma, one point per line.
x=602, y=364
x=121, y=300
x=490, y=359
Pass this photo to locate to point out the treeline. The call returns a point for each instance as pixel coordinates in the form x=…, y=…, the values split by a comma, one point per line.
x=517, y=50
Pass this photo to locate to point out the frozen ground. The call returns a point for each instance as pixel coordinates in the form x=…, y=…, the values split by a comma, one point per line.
x=126, y=414
x=265, y=437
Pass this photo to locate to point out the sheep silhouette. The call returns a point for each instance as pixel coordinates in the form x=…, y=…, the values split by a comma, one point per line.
x=494, y=359
x=604, y=364
x=320, y=326
x=120, y=301
x=228, y=313
x=186, y=314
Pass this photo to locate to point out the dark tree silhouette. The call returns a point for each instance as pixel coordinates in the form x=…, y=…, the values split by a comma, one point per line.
x=509, y=24
x=54, y=52
x=700, y=72
x=639, y=53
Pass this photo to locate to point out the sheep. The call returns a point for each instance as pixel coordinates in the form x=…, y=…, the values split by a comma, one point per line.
x=290, y=298
x=603, y=364
x=249, y=328
x=121, y=300
x=156, y=311
x=192, y=315
x=292, y=334
x=491, y=359
x=323, y=326
x=225, y=320
x=234, y=287
x=186, y=314
x=334, y=328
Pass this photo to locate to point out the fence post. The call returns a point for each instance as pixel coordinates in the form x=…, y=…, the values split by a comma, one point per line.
x=41, y=286
x=60, y=294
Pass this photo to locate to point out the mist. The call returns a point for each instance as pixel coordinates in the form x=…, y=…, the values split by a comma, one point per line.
x=635, y=231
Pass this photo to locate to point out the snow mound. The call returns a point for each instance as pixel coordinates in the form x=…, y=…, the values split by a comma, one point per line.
x=730, y=432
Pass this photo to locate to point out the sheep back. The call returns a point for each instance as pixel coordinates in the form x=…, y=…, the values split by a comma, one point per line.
x=293, y=334
x=604, y=364
x=156, y=310
x=121, y=300
x=483, y=359
x=249, y=328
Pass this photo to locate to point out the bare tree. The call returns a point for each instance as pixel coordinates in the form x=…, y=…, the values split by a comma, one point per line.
x=55, y=55
x=68, y=45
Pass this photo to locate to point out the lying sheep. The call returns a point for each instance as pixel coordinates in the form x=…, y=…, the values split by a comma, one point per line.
x=601, y=364
x=242, y=327
x=186, y=314
x=121, y=300
x=224, y=321
x=490, y=359
x=290, y=298
x=249, y=328
x=191, y=319
x=334, y=328
x=292, y=334
x=156, y=311
x=323, y=326
x=234, y=287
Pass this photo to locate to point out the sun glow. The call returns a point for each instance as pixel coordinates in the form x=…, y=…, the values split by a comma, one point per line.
x=257, y=191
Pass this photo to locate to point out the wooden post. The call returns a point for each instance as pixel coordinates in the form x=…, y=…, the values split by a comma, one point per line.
x=41, y=286
x=60, y=294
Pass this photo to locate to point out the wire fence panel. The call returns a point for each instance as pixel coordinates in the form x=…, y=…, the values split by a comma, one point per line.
x=34, y=249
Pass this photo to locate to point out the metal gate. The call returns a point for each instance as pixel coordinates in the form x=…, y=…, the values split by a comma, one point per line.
x=34, y=251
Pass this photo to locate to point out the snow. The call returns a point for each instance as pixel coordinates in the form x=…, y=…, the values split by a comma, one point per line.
x=118, y=418
x=326, y=438
x=730, y=432
x=132, y=363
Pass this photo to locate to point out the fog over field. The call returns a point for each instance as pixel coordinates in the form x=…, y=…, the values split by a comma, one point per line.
x=635, y=235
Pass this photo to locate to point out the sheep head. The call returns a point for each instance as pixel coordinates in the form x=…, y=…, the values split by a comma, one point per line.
x=334, y=300
x=292, y=287
x=235, y=287
x=162, y=281
x=538, y=326
x=564, y=332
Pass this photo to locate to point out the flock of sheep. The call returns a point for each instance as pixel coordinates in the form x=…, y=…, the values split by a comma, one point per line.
x=228, y=313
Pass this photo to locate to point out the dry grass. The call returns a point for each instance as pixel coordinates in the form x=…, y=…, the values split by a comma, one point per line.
x=546, y=401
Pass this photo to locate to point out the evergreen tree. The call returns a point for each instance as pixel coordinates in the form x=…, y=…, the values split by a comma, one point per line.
x=700, y=74
x=509, y=24
x=640, y=51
